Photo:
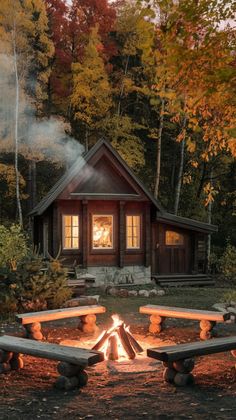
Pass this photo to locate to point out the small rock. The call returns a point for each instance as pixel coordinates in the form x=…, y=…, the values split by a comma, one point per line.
x=231, y=310
x=96, y=297
x=132, y=293
x=153, y=292
x=143, y=293
x=123, y=293
x=220, y=306
x=113, y=291
x=161, y=292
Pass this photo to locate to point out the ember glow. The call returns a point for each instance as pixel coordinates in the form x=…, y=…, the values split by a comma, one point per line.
x=117, y=343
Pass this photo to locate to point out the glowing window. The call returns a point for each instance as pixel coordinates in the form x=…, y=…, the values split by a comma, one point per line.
x=102, y=232
x=133, y=232
x=174, y=238
x=70, y=232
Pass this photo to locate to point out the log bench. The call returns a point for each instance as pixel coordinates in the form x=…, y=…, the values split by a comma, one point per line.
x=207, y=319
x=72, y=360
x=178, y=360
x=32, y=321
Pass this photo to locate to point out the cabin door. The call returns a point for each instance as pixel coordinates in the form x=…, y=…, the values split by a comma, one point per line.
x=171, y=251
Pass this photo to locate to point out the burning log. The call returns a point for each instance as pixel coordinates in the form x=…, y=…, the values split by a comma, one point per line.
x=102, y=341
x=134, y=343
x=125, y=342
x=118, y=341
x=112, y=350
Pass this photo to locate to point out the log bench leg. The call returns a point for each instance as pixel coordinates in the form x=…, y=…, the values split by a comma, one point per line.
x=156, y=324
x=33, y=331
x=88, y=323
x=206, y=329
x=233, y=352
x=71, y=376
x=10, y=361
x=179, y=372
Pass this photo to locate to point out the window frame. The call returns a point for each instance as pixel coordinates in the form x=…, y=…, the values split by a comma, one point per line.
x=71, y=237
x=133, y=249
x=102, y=249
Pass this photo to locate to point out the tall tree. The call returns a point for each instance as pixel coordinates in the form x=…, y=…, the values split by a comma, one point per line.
x=91, y=96
x=31, y=69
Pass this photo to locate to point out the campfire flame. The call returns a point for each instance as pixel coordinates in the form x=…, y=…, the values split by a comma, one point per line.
x=117, y=342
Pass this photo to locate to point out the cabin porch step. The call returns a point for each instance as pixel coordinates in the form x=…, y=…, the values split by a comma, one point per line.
x=183, y=280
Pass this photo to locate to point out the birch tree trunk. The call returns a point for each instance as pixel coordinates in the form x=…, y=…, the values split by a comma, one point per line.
x=181, y=169
x=159, y=141
x=18, y=201
x=32, y=187
x=209, y=219
x=86, y=139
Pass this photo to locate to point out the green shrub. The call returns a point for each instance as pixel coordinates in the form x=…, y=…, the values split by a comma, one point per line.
x=227, y=264
x=57, y=277
x=31, y=289
x=229, y=297
x=13, y=246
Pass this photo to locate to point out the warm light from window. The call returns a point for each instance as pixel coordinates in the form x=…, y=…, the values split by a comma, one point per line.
x=133, y=230
x=174, y=238
x=70, y=232
x=102, y=231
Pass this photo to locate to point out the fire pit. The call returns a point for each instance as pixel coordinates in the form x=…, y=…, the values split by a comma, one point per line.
x=117, y=342
x=123, y=353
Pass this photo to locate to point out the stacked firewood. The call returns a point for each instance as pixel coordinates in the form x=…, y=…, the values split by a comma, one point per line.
x=130, y=345
x=10, y=361
x=33, y=331
x=71, y=376
x=179, y=372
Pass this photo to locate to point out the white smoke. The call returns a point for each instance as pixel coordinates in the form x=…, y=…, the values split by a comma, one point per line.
x=39, y=139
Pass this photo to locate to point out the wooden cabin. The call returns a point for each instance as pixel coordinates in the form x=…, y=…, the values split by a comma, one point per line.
x=108, y=223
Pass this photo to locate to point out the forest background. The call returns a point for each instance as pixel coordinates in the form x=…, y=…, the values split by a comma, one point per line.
x=157, y=79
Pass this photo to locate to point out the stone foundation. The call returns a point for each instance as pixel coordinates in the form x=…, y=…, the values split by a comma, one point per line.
x=118, y=276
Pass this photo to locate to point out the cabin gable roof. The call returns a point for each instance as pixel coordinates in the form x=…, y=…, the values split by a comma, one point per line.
x=82, y=179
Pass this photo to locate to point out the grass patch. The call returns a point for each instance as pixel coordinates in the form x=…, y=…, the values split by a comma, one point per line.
x=197, y=298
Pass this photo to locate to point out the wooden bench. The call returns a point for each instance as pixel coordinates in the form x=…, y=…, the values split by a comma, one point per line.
x=72, y=360
x=207, y=319
x=87, y=314
x=178, y=359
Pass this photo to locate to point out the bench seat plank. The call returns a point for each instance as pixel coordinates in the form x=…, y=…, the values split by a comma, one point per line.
x=77, y=356
x=55, y=314
x=197, y=348
x=175, y=312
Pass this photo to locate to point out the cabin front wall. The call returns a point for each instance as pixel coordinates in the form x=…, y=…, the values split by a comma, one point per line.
x=118, y=264
x=177, y=251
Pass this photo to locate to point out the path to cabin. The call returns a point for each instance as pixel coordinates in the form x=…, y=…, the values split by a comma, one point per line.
x=29, y=394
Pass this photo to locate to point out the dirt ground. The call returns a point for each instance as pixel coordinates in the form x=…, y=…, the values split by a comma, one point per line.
x=29, y=394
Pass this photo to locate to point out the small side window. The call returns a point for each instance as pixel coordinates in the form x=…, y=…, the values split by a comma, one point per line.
x=174, y=238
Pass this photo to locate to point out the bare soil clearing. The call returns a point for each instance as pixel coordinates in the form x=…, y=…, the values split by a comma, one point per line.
x=29, y=394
